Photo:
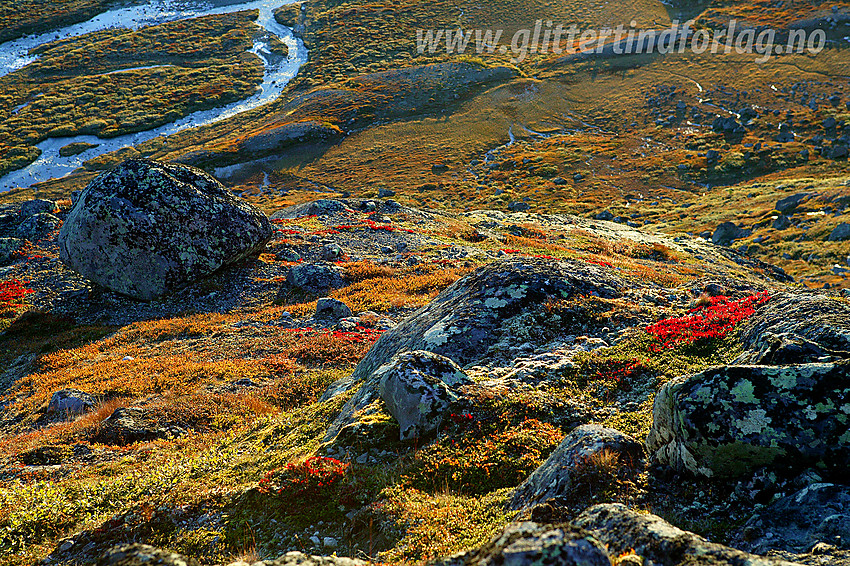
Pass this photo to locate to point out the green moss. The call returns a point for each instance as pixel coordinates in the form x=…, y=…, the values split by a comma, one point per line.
x=634, y=423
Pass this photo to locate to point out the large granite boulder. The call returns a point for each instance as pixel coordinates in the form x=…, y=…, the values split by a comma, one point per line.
x=463, y=321
x=418, y=389
x=146, y=228
x=554, y=478
x=656, y=541
x=728, y=421
x=527, y=544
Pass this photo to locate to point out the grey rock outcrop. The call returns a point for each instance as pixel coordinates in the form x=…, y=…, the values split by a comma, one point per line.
x=146, y=228
x=725, y=233
x=335, y=309
x=127, y=425
x=9, y=248
x=37, y=226
x=527, y=544
x=36, y=206
x=463, y=320
x=622, y=530
x=554, y=478
x=796, y=327
x=137, y=554
x=840, y=233
x=70, y=402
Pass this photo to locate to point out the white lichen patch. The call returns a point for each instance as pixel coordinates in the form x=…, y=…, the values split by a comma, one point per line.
x=756, y=422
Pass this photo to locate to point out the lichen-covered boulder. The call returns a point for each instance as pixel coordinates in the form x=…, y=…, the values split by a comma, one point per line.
x=554, y=478
x=146, y=228
x=797, y=522
x=464, y=320
x=622, y=530
x=727, y=421
x=37, y=226
x=527, y=544
x=796, y=327
x=315, y=277
x=418, y=389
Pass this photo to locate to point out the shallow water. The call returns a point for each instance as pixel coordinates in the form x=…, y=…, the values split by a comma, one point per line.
x=50, y=165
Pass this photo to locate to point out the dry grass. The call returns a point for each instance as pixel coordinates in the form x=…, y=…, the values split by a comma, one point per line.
x=383, y=289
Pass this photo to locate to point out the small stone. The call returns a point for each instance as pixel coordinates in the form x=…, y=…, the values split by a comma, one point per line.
x=36, y=206
x=840, y=233
x=331, y=252
x=332, y=308
x=315, y=277
x=330, y=542
x=518, y=206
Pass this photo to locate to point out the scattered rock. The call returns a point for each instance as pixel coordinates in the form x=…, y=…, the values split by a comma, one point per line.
x=800, y=521
x=527, y=544
x=418, y=389
x=789, y=203
x=622, y=531
x=725, y=233
x=295, y=558
x=728, y=421
x=50, y=455
x=554, y=478
x=70, y=402
x=315, y=277
x=145, y=229
x=321, y=207
x=332, y=252
x=332, y=308
x=127, y=425
x=385, y=193
x=518, y=206
x=782, y=222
